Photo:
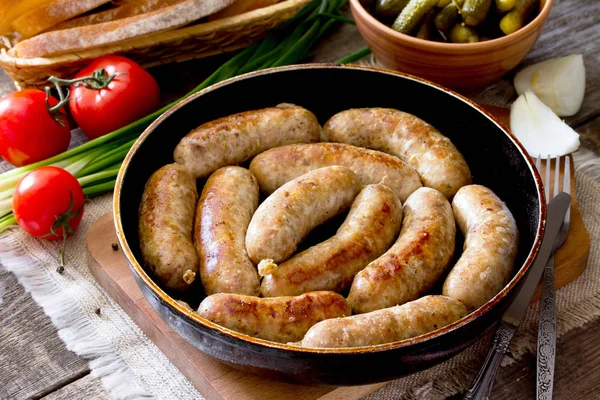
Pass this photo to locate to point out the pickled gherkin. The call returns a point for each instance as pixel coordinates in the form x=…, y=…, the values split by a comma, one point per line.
x=424, y=30
x=517, y=17
x=447, y=15
x=503, y=6
x=475, y=11
x=454, y=21
x=461, y=33
x=390, y=8
x=414, y=12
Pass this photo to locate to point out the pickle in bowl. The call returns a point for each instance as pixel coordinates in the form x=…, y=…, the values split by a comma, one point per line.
x=456, y=21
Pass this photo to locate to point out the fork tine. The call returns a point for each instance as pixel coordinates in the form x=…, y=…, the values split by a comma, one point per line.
x=548, y=164
x=567, y=185
x=557, y=176
x=538, y=163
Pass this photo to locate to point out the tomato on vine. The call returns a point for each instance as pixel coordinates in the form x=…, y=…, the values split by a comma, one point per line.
x=48, y=203
x=110, y=93
x=33, y=127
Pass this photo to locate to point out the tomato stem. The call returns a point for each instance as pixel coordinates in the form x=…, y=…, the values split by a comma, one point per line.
x=63, y=248
x=55, y=110
x=98, y=80
x=62, y=221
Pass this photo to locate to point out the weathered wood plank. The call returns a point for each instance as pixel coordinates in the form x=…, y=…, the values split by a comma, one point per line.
x=576, y=375
x=87, y=387
x=572, y=27
x=33, y=359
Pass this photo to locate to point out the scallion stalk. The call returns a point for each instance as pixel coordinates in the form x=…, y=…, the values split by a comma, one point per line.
x=357, y=55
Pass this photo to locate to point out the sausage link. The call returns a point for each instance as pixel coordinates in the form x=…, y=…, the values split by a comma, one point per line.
x=228, y=200
x=166, y=216
x=415, y=262
x=277, y=166
x=490, y=249
x=279, y=319
x=439, y=164
x=388, y=325
x=237, y=138
x=284, y=219
x=370, y=228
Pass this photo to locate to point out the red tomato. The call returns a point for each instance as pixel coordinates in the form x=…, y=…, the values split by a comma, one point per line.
x=128, y=97
x=28, y=131
x=42, y=202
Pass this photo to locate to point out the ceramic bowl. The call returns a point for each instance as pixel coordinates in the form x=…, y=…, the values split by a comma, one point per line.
x=463, y=67
x=495, y=157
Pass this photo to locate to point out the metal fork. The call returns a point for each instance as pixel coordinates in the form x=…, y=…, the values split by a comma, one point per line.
x=546, y=347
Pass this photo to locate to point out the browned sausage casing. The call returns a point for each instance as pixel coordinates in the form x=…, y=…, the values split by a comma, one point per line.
x=490, y=249
x=370, y=228
x=284, y=219
x=439, y=164
x=236, y=138
x=280, y=319
x=166, y=216
x=415, y=262
x=275, y=167
x=228, y=200
x=388, y=325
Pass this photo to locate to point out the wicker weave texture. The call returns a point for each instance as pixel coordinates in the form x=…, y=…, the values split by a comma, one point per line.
x=196, y=41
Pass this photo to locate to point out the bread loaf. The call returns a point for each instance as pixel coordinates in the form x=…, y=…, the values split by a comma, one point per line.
x=240, y=7
x=41, y=18
x=126, y=9
x=86, y=37
x=12, y=9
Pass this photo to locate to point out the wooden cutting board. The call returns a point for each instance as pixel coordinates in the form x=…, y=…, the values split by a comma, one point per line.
x=217, y=381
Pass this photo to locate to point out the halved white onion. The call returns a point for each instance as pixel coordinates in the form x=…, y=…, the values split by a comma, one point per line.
x=559, y=83
x=540, y=130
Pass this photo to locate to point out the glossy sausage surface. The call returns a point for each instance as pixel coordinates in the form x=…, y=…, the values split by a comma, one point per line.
x=415, y=262
x=236, y=138
x=166, y=216
x=280, y=319
x=367, y=232
x=284, y=219
x=387, y=325
x=277, y=166
x=439, y=163
x=228, y=200
x=490, y=249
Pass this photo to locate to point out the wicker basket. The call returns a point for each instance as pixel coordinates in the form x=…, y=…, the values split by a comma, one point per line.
x=176, y=45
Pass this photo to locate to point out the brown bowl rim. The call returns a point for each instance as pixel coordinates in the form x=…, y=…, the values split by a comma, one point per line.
x=191, y=315
x=449, y=47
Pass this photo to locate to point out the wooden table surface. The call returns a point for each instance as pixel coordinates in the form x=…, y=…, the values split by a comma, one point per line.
x=34, y=362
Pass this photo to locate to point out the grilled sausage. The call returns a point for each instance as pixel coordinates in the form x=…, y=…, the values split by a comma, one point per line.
x=280, y=319
x=284, y=219
x=415, y=262
x=388, y=325
x=439, y=164
x=277, y=166
x=490, y=249
x=370, y=228
x=228, y=200
x=166, y=216
x=236, y=138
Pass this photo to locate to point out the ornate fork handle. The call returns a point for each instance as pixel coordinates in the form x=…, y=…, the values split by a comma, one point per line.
x=546, y=335
x=483, y=383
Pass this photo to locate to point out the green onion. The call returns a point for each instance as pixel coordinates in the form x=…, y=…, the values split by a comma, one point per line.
x=96, y=163
x=7, y=221
x=338, y=18
x=354, y=56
